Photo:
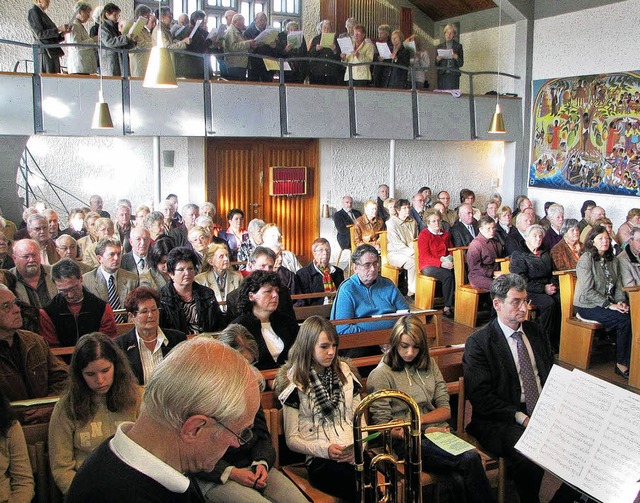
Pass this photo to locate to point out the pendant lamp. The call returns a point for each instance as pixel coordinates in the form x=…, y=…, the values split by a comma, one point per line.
x=160, y=72
x=497, y=121
x=101, y=114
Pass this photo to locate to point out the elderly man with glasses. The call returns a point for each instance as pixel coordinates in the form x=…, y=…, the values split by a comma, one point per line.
x=366, y=294
x=186, y=424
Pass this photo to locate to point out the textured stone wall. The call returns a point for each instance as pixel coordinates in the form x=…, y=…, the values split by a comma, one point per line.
x=117, y=168
x=580, y=43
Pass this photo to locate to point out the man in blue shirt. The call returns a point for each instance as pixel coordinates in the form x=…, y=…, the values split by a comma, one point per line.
x=366, y=294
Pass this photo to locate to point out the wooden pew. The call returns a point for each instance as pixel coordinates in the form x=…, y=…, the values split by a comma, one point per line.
x=425, y=285
x=387, y=270
x=576, y=336
x=634, y=311
x=467, y=296
x=304, y=312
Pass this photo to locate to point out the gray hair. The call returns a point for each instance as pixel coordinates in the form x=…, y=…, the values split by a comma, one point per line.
x=362, y=250
x=238, y=337
x=534, y=228
x=65, y=268
x=555, y=209
x=259, y=251
x=568, y=224
x=154, y=216
x=255, y=225
x=36, y=217
x=166, y=203
x=104, y=242
x=65, y=237
x=82, y=7
x=141, y=10
x=181, y=385
x=204, y=220
x=97, y=12
x=190, y=207
x=505, y=282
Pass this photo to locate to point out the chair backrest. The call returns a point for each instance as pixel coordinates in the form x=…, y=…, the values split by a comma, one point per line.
x=416, y=255
x=567, y=281
x=352, y=236
x=459, y=264
x=123, y=328
x=383, y=242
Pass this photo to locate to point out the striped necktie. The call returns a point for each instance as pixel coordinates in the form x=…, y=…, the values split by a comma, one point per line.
x=529, y=384
x=114, y=301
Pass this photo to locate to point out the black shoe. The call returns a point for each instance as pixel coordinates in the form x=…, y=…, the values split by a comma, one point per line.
x=623, y=373
x=449, y=314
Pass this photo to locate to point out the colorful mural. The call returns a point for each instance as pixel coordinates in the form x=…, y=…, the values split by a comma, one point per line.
x=587, y=134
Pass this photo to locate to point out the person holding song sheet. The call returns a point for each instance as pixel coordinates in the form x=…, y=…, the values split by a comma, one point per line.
x=450, y=57
x=506, y=364
x=325, y=46
x=46, y=32
x=362, y=53
x=111, y=38
x=81, y=60
x=407, y=367
x=291, y=44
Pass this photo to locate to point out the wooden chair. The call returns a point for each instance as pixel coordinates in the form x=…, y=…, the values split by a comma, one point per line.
x=304, y=312
x=425, y=285
x=576, y=336
x=491, y=462
x=37, y=436
x=467, y=296
x=387, y=270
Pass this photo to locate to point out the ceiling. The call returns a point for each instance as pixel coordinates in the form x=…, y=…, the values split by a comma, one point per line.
x=437, y=10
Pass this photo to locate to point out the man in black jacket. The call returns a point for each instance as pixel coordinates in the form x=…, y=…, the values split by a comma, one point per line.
x=346, y=216
x=320, y=276
x=506, y=364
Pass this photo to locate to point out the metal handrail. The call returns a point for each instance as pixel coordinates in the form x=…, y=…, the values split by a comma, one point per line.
x=208, y=74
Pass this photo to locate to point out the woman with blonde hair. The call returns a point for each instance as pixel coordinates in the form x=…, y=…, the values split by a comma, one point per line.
x=81, y=60
x=407, y=367
x=216, y=273
x=319, y=392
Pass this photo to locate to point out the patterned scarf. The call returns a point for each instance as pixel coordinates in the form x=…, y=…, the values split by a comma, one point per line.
x=610, y=286
x=327, y=280
x=327, y=397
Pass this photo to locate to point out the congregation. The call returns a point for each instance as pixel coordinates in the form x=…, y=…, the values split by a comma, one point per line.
x=174, y=274
x=238, y=50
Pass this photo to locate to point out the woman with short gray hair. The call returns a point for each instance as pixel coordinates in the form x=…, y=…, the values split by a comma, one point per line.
x=533, y=262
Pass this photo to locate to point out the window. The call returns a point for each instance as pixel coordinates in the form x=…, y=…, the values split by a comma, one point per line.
x=286, y=7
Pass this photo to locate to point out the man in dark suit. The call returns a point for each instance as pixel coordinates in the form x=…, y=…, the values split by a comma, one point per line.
x=383, y=195
x=319, y=275
x=346, y=216
x=466, y=228
x=190, y=213
x=506, y=364
x=417, y=211
x=136, y=260
x=146, y=344
x=515, y=238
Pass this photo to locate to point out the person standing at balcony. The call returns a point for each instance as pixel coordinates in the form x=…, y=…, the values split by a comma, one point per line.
x=326, y=73
x=257, y=70
x=168, y=41
x=138, y=60
x=46, y=32
x=234, y=41
x=110, y=37
x=81, y=60
x=448, y=79
x=362, y=53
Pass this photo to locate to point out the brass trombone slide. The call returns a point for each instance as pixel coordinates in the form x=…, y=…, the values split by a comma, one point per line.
x=370, y=491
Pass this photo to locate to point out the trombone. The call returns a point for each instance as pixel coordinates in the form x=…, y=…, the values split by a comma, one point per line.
x=389, y=464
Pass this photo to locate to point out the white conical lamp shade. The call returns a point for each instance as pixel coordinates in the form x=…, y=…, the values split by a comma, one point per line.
x=101, y=115
x=160, y=72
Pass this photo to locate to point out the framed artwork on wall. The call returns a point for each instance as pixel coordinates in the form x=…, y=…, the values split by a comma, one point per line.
x=586, y=134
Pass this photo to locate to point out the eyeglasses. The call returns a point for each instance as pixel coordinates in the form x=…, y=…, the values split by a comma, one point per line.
x=517, y=304
x=185, y=270
x=368, y=265
x=243, y=438
x=146, y=312
x=5, y=307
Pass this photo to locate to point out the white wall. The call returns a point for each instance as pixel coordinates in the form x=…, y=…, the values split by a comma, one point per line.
x=357, y=167
x=585, y=43
x=118, y=168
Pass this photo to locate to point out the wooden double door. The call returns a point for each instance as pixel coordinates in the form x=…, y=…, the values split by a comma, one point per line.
x=238, y=177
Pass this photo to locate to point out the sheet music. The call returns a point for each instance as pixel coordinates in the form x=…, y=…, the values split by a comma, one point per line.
x=411, y=47
x=267, y=36
x=445, y=53
x=326, y=40
x=383, y=50
x=217, y=33
x=195, y=28
x=294, y=38
x=584, y=430
x=136, y=27
x=346, y=45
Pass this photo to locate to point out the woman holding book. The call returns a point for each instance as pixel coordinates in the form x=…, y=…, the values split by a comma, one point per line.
x=407, y=367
